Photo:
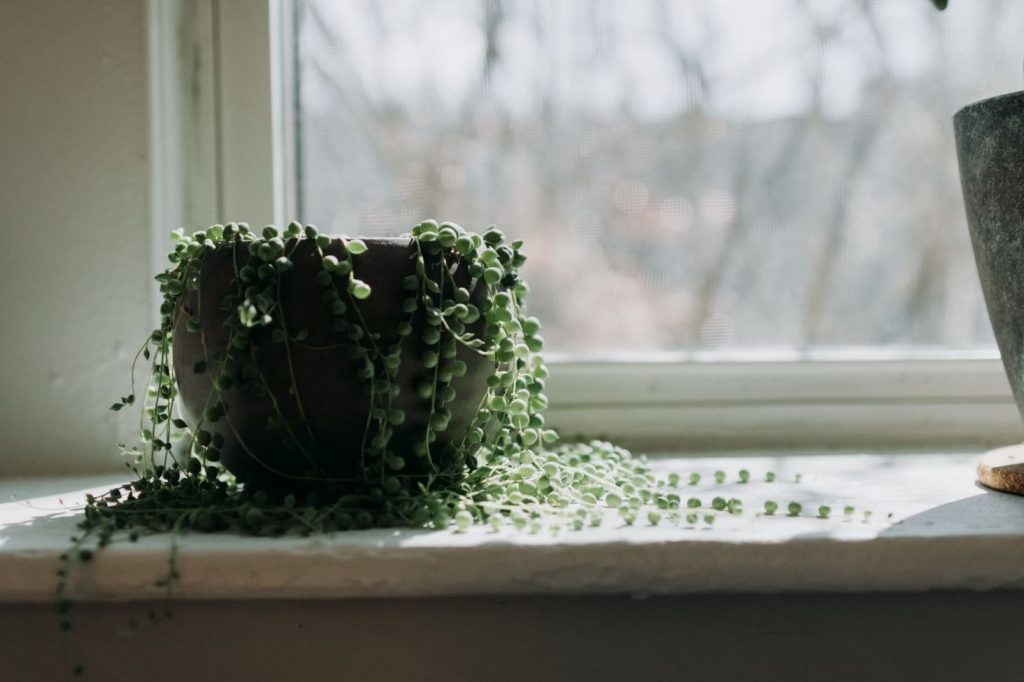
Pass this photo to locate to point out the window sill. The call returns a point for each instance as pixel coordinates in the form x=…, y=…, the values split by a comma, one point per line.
x=932, y=527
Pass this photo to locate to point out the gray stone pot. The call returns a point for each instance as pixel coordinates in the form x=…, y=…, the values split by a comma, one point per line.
x=990, y=145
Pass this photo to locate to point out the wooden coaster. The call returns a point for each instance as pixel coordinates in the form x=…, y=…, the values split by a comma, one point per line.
x=1003, y=469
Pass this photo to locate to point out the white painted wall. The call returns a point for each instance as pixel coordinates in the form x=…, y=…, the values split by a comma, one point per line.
x=75, y=220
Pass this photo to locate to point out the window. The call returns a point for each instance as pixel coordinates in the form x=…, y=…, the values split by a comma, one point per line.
x=687, y=175
x=769, y=185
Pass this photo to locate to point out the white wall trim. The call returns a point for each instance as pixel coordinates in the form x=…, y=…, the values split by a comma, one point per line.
x=255, y=127
x=223, y=136
x=183, y=126
x=938, y=401
x=284, y=119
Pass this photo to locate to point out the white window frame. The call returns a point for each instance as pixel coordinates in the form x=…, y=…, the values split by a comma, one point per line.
x=224, y=148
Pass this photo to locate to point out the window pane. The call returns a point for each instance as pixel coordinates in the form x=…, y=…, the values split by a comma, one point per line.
x=709, y=174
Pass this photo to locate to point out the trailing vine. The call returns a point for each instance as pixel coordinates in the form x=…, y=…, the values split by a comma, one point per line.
x=465, y=294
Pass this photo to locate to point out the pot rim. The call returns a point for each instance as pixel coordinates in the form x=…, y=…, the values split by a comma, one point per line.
x=996, y=100
x=369, y=240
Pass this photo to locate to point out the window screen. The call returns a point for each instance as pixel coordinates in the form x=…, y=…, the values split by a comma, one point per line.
x=707, y=174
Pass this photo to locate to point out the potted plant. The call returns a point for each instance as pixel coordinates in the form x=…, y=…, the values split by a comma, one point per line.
x=370, y=371
x=367, y=382
x=303, y=382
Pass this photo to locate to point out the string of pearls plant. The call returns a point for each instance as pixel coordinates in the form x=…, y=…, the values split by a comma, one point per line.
x=506, y=471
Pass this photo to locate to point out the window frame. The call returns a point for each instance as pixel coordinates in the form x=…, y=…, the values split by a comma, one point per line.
x=224, y=146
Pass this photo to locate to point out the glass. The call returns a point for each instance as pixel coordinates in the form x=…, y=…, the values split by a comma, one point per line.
x=709, y=174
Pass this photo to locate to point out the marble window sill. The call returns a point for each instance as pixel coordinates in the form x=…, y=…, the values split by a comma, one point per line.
x=932, y=527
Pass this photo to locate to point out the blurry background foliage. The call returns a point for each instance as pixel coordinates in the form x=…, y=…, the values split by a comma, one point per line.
x=709, y=174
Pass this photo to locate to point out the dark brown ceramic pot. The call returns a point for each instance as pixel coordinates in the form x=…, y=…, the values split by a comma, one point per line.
x=328, y=414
